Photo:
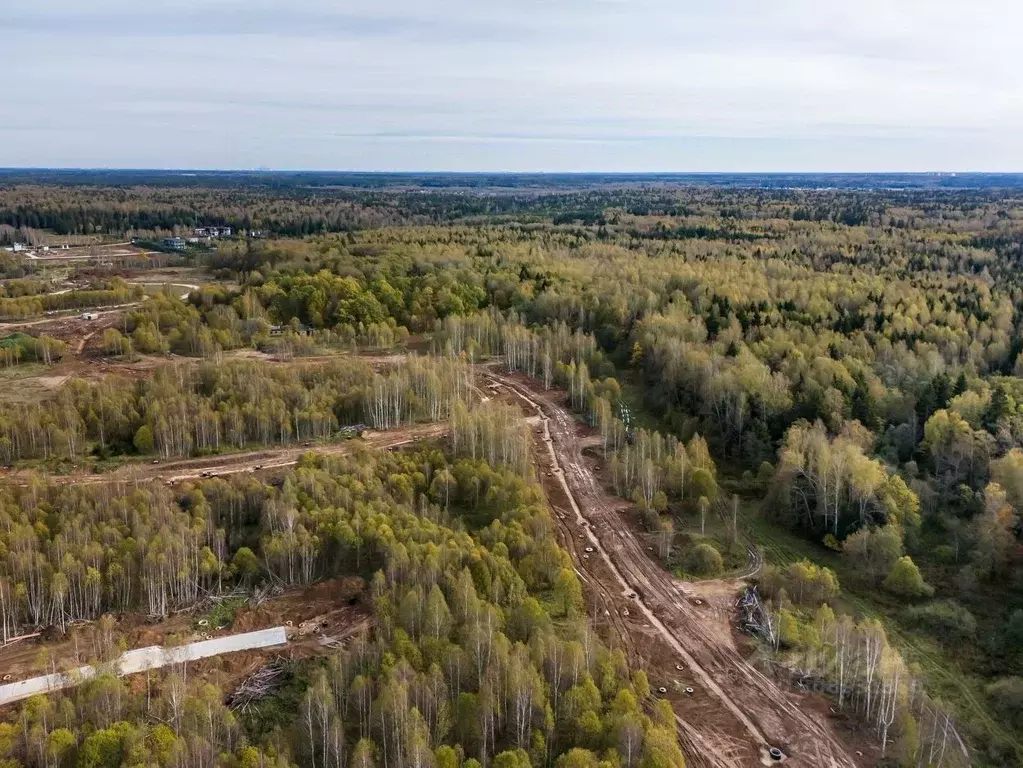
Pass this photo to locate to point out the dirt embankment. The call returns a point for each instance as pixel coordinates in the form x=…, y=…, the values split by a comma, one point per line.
x=729, y=712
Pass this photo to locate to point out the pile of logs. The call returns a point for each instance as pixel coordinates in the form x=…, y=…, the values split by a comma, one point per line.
x=754, y=616
x=263, y=593
x=260, y=684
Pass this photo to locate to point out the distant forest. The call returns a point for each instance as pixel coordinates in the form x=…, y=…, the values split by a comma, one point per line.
x=118, y=204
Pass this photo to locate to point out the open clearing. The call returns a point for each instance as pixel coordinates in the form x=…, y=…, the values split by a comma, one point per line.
x=316, y=620
x=144, y=659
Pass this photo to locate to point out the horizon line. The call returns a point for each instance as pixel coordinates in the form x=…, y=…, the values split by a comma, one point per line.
x=409, y=172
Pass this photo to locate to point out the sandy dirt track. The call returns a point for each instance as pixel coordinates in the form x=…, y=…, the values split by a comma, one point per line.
x=735, y=712
x=178, y=470
x=98, y=312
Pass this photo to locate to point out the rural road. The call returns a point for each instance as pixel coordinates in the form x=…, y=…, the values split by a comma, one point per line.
x=99, y=311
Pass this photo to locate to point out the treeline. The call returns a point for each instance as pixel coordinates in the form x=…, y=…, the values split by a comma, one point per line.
x=293, y=315
x=22, y=348
x=104, y=722
x=481, y=654
x=37, y=304
x=831, y=486
x=308, y=204
x=199, y=409
x=164, y=324
x=329, y=300
x=143, y=211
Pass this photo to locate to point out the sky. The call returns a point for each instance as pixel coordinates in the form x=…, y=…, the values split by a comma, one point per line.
x=523, y=85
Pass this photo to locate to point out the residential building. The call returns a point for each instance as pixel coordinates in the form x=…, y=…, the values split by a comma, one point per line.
x=212, y=232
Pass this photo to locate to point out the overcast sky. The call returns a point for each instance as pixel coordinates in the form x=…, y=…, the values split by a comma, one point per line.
x=516, y=85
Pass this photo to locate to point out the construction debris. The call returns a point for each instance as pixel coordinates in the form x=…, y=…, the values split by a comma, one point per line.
x=260, y=684
x=755, y=617
x=264, y=593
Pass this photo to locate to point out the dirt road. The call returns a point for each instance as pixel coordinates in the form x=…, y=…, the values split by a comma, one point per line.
x=14, y=325
x=177, y=470
x=97, y=312
x=277, y=458
x=735, y=712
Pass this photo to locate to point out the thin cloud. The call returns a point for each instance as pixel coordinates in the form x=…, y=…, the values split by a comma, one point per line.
x=514, y=84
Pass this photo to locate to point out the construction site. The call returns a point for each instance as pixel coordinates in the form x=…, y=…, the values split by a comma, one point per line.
x=64, y=271
x=731, y=711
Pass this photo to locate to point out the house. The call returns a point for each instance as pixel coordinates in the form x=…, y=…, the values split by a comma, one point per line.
x=174, y=242
x=300, y=329
x=212, y=232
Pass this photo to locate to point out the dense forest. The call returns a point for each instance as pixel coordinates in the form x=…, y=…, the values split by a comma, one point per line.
x=836, y=371
x=144, y=204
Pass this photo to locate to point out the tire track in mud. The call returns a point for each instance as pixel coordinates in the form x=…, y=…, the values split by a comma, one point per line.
x=765, y=708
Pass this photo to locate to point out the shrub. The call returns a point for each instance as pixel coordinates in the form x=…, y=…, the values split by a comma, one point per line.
x=905, y=580
x=804, y=582
x=704, y=560
x=945, y=619
x=1007, y=696
x=702, y=483
x=144, y=440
